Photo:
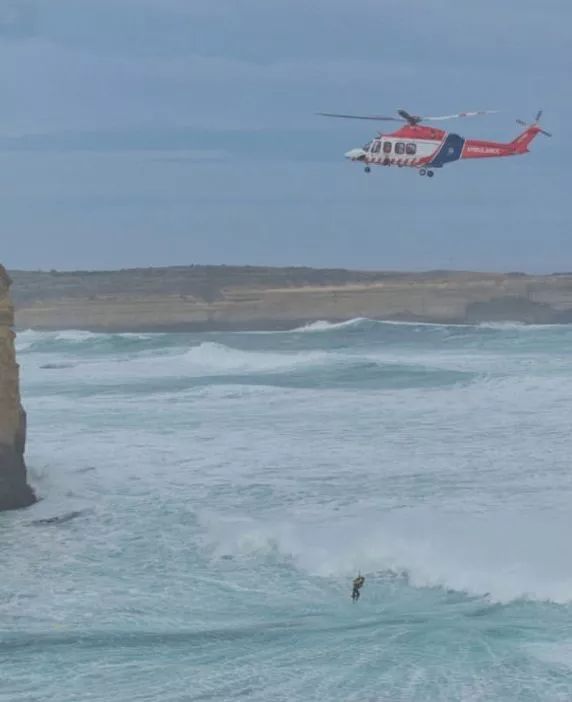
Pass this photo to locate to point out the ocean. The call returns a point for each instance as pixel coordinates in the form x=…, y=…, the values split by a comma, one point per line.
x=206, y=500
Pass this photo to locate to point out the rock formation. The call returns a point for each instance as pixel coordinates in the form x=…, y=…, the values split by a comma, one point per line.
x=14, y=490
x=199, y=298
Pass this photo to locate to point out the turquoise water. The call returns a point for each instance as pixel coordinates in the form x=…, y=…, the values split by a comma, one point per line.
x=207, y=499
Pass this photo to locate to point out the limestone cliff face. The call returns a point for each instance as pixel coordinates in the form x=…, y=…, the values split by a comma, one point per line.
x=14, y=490
x=198, y=298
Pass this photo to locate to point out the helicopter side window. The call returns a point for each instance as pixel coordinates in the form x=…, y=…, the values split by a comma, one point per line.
x=400, y=148
x=386, y=147
x=367, y=146
x=411, y=149
x=376, y=147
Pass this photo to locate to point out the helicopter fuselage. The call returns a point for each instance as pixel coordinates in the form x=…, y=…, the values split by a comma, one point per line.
x=422, y=147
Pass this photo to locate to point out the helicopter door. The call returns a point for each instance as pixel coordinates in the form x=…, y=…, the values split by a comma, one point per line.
x=376, y=148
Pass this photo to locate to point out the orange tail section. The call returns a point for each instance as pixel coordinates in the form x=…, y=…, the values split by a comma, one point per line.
x=520, y=144
x=475, y=148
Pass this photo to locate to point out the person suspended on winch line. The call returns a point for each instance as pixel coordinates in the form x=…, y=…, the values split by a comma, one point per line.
x=356, y=587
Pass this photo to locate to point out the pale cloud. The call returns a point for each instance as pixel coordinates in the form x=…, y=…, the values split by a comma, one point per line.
x=49, y=87
x=17, y=19
x=223, y=93
x=84, y=64
x=264, y=30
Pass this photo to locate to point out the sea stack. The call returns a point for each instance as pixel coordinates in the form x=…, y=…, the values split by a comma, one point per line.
x=14, y=489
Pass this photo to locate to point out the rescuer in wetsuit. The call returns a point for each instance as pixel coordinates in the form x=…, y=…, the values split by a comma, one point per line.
x=356, y=587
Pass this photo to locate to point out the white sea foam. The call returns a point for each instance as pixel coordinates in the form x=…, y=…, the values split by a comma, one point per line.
x=212, y=357
x=215, y=359
x=503, y=557
x=26, y=338
x=215, y=514
x=523, y=327
x=323, y=325
x=75, y=336
x=205, y=359
x=29, y=337
x=492, y=370
x=326, y=326
x=559, y=653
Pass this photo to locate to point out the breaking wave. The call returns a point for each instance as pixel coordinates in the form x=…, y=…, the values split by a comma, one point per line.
x=367, y=322
x=258, y=474
x=214, y=363
x=464, y=553
x=323, y=325
x=74, y=339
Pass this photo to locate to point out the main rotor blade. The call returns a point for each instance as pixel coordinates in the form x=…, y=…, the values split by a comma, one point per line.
x=379, y=118
x=460, y=114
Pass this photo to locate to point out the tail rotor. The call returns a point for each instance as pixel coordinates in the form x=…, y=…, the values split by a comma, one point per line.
x=535, y=124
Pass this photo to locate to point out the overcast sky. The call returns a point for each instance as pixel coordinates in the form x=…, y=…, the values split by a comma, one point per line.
x=157, y=132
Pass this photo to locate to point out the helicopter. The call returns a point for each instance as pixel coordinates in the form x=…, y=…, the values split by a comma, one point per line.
x=415, y=145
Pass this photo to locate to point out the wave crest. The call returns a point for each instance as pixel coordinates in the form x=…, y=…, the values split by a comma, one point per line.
x=53, y=341
x=462, y=554
x=323, y=325
x=212, y=357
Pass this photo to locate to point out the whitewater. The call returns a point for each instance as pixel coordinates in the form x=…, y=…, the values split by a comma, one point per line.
x=206, y=500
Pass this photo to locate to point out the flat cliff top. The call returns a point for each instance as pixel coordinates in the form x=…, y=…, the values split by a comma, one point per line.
x=256, y=297
x=207, y=282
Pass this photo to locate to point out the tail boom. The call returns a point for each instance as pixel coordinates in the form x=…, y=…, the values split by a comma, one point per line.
x=475, y=148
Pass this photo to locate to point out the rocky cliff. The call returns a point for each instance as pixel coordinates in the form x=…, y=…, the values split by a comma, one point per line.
x=14, y=490
x=196, y=298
